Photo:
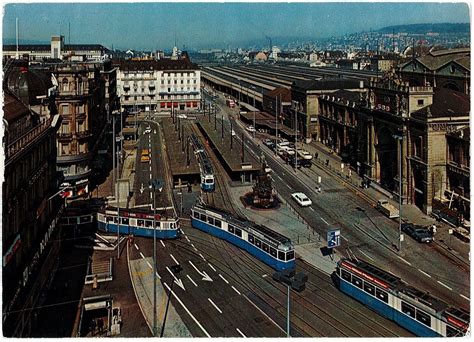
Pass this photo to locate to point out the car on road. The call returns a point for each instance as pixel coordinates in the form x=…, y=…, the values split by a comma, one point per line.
x=251, y=128
x=301, y=199
x=304, y=154
x=147, y=130
x=267, y=142
x=294, y=162
x=418, y=233
x=182, y=116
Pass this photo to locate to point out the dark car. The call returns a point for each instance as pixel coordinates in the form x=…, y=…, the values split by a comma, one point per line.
x=292, y=162
x=305, y=162
x=420, y=234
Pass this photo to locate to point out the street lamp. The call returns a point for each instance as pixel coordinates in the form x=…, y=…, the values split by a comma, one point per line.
x=154, y=184
x=400, y=141
x=296, y=282
x=175, y=269
x=254, y=127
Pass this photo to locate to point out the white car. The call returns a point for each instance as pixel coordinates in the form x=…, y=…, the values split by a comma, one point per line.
x=182, y=116
x=302, y=199
x=233, y=132
x=148, y=130
x=251, y=129
x=304, y=154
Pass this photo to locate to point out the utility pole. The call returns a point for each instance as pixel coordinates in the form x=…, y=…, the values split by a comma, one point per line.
x=276, y=124
x=296, y=135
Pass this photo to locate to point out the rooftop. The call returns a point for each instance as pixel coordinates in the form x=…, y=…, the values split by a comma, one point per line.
x=446, y=103
x=328, y=84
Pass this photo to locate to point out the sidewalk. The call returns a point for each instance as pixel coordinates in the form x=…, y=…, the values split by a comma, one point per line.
x=410, y=212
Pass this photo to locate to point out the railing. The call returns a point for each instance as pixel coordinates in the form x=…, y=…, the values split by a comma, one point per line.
x=420, y=88
x=20, y=143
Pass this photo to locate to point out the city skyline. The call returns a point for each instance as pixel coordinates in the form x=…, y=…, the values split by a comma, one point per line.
x=153, y=26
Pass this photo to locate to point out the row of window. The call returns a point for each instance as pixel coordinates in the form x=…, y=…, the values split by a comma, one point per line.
x=383, y=296
x=253, y=240
x=140, y=222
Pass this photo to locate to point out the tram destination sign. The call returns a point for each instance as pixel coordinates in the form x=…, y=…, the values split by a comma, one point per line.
x=334, y=238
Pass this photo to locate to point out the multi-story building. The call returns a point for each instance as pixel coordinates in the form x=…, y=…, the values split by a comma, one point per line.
x=29, y=211
x=57, y=50
x=159, y=85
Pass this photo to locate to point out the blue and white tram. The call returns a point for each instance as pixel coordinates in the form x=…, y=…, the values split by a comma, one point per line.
x=137, y=222
x=205, y=166
x=415, y=310
x=263, y=243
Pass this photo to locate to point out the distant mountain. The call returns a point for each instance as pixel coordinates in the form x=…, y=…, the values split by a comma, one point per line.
x=424, y=28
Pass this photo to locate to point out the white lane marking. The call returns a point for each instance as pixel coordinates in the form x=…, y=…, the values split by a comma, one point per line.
x=203, y=258
x=279, y=177
x=178, y=282
x=265, y=275
x=194, y=247
x=174, y=259
x=224, y=279
x=443, y=284
x=287, y=186
x=324, y=221
x=233, y=288
x=344, y=237
x=426, y=274
x=399, y=257
x=187, y=310
x=311, y=209
x=157, y=275
x=162, y=243
x=368, y=256
x=217, y=308
x=150, y=175
x=141, y=254
x=151, y=195
x=240, y=332
x=192, y=281
x=282, y=173
x=187, y=239
x=212, y=267
x=149, y=265
x=136, y=246
x=467, y=298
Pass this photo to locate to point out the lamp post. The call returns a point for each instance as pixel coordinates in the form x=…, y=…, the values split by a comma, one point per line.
x=296, y=134
x=154, y=184
x=175, y=269
x=254, y=127
x=296, y=282
x=400, y=144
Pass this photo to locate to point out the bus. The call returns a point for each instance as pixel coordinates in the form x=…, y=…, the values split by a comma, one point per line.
x=145, y=156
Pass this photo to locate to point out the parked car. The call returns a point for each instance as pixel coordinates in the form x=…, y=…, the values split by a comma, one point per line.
x=418, y=233
x=182, y=116
x=292, y=162
x=301, y=199
x=251, y=128
x=146, y=131
x=304, y=154
x=305, y=162
x=267, y=142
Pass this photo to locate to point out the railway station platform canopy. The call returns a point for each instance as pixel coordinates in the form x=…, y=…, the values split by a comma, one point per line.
x=220, y=139
x=264, y=120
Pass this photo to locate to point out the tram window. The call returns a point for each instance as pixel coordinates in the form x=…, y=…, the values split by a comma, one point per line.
x=110, y=219
x=290, y=255
x=452, y=332
x=217, y=223
x=281, y=255
x=203, y=217
x=423, y=318
x=149, y=224
x=258, y=243
x=346, y=275
x=115, y=220
x=238, y=232
x=382, y=295
x=370, y=289
x=273, y=252
x=210, y=220
x=231, y=229
x=140, y=223
x=408, y=309
x=84, y=219
x=251, y=240
x=124, y=220
x=158, y=224
x=196, y=215
x=357, y=281
x=265, y=247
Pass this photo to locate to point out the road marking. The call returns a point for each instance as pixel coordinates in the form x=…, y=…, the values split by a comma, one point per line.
x=233, y=288
x=187, y=239
x=279, y=177
x=203, y=258
x=467, y=298
x=178, y=282
x=311, y=209
x=136, y=246
x=194, y=247
x=149, y=265
x=141, y=254
x=192, y=281
x=157, y=275
x=162, y=243
x=443, y=284
x=324, y=221
x=265, y=275
x=187, y=310
x=344, y=238
x=217, y=308
x=399, y=257
x=150, y=175
x=426, y=274
x=174, y=259
x=212, y=267
x=224, y=279
x=151, y=195
x=287, y=186
x=240, y=332
x=368, y=256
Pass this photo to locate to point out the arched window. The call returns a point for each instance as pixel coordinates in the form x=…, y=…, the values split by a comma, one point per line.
x=65, y=84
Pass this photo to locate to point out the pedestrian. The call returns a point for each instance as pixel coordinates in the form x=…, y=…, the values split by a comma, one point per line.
x=93, y=326
x=316, y=155
x=100, y=325
x=327, y=162
x=433, y=228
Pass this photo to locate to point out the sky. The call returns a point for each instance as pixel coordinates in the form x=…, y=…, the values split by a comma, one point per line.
x=149, y=26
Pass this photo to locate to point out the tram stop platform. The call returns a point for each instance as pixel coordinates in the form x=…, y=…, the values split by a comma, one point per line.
x=239, y=163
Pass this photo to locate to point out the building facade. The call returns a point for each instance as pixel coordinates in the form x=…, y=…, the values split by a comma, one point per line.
x=30, y=212
x=161, y=85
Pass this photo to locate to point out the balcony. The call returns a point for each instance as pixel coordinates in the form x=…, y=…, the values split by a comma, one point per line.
x=64, y=135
